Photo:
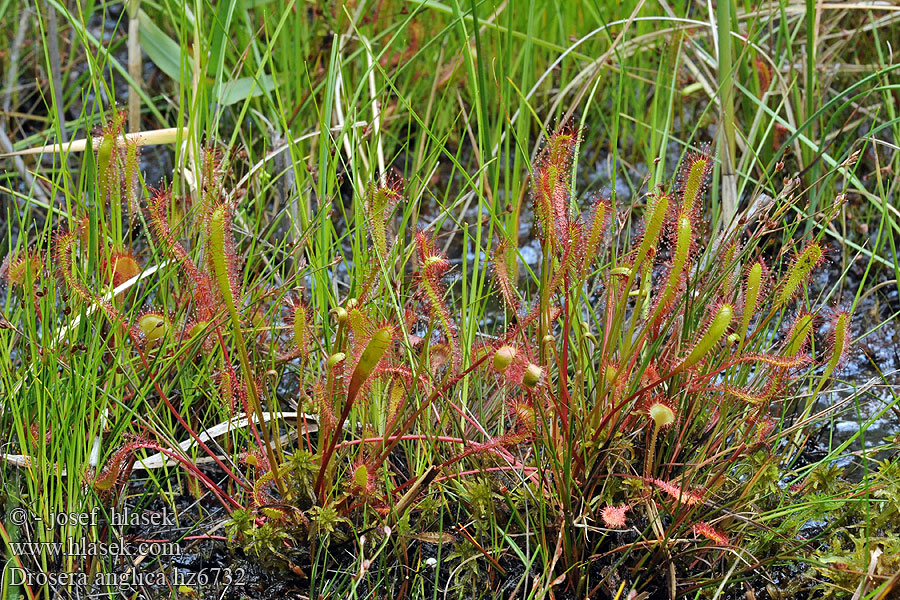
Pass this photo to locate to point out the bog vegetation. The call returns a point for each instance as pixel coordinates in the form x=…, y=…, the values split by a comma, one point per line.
x=366, y=397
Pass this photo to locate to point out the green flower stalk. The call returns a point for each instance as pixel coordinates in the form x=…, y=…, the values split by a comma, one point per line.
x=662, y=415
x=221, y=255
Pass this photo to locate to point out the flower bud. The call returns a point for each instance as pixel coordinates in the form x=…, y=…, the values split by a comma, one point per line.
x=662, y=414
x=532, y=375
x=336, y=358
x=503, y=357
x=154, y=327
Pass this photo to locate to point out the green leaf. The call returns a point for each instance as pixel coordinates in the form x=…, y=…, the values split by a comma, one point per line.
x=243, y=88
x=162, y=50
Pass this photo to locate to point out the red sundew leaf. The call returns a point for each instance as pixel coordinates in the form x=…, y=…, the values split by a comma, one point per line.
x=711, y=533
x=614, y=516
x=776, y=360
x=501, y=274
x=380, y=200
x=802, y=266
x=63, y=247
x=838, y=338
x=676, y=492
x=433, y=264
x=17, y=267
x=201, y=287
x=302, y=328
x=117, y=163
x=693, y=176
x=120, y=266
x=595, y=231
x=220, y=247
x=748, y=394
x=550, y=188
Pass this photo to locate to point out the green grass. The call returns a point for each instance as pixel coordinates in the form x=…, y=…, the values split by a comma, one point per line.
x=311, y=104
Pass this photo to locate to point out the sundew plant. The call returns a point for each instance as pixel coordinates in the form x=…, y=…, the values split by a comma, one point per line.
x=377, y=335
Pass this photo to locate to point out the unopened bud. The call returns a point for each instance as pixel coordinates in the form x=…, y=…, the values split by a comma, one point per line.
x=503, y=357
x=662, y=414
x=339, y=314
x=532, y=375
x=336, y=358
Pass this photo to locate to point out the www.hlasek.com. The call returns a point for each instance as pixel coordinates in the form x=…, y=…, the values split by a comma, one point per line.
x=83, y=547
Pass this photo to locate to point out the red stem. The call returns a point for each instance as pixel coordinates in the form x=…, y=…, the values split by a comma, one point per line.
x=564, y=367
x=209, y=483
x=404, y=438
x=184, y=423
